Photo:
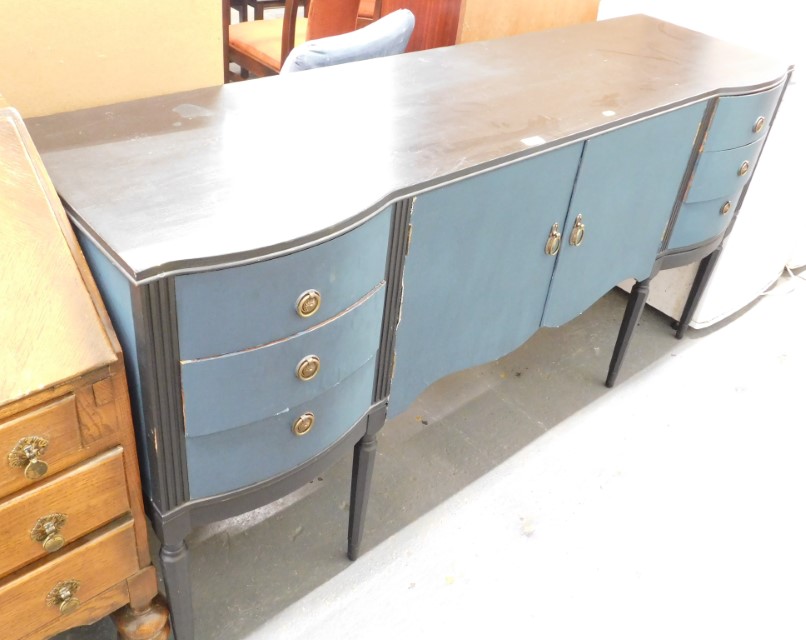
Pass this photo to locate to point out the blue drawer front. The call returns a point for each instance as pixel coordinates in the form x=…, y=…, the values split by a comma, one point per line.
x=699, y=221
x=238, y=458
x=234, y=390
x=736, y=116
x=243, y=307
x=717, y=172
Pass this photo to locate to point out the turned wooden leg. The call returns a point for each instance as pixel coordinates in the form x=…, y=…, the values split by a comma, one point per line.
x=704, y=272
x=175, y=561
x=150, y=623
x=363, y=463
x=632, y=314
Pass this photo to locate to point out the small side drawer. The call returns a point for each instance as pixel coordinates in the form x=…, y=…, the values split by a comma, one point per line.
x=68, y=506
x=237, y=458
x=700, y=221
x=238, y=389
x=242, y=307
x=104, y=560
x=736, y=121
x=719, y=173
x=52, y=429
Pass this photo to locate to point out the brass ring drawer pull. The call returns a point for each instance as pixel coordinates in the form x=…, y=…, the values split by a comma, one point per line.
x=63, y=595
x=26, y=454
x=744, y=168
x=308, y=303
x=553, y=242
x=759, y=124
x=47, y=530
x=725, y=208
x=303, y=424
x=577, y=233
x=308, y=367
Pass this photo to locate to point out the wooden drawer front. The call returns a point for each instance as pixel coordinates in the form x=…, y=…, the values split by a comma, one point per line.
x=699, y=221
x=104, y=560
x=718, y=173
x=238, y=389
x=56, y=423
x=735, y=119
x=243, y=307
x=89, y=496
x=233, y=459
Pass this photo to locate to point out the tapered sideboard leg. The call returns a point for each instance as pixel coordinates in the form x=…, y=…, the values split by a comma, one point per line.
x=704, y=272
x=175, y=560
x=632, y=314
x=363, y=463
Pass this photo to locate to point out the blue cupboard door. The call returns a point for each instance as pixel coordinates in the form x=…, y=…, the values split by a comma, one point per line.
x=627, y=187
x=476, y=274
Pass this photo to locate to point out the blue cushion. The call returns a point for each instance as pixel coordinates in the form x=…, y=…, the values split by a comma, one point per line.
x=385, y=37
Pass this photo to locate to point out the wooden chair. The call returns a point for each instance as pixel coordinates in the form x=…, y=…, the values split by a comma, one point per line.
x=261, y=46
x=368, y=11
x=259, y=7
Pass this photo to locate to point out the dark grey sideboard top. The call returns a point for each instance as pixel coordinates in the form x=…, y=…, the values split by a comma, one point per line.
x=243, y=171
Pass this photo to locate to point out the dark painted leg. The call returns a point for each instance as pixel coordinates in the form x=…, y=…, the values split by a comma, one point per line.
x=632, y=314
x=704, y=272
x=175, y=561
x=363, y=463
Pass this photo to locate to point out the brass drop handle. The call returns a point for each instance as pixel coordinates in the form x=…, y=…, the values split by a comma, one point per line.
x=577, y=232
x=63, y=595
x=47, y=531
x=744, y=168
x=308, y=303
x=726, y=208
x=26, y=454
x=308, y=367
x=759, y=124
x=553, y=242
x=303, y=424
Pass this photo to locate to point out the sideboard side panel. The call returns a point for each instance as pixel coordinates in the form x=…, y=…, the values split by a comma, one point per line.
x=476, y=274
x=116, y=291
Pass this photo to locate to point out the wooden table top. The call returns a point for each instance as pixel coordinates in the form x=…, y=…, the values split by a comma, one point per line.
x=233, y=173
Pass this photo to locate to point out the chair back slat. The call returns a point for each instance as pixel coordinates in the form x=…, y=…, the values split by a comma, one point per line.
x=331, y=17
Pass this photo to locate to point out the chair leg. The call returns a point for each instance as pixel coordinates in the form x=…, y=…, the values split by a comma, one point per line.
x=632, y=314
x=704, y=272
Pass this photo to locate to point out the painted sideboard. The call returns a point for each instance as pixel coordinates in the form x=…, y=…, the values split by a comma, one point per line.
x=280, y=287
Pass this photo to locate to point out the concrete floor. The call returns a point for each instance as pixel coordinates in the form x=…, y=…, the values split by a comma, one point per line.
x=523, y=498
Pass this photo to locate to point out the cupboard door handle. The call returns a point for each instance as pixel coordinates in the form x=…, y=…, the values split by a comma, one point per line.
x=553, y=242
x=26, y=454
x=577, y=233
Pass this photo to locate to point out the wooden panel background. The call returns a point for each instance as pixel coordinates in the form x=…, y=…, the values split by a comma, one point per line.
x=486, y=19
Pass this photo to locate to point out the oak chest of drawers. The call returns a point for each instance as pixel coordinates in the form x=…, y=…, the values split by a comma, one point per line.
x=73, y=539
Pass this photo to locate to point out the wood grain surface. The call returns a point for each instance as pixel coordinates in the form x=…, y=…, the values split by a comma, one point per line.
x=180, y=182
